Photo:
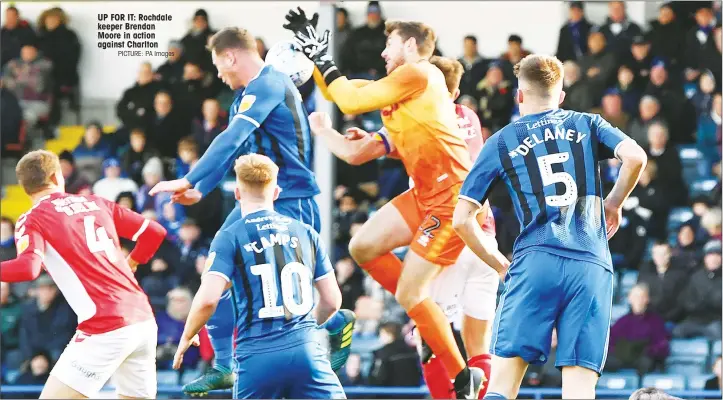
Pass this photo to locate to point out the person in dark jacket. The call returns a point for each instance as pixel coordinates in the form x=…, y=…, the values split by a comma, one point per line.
x=396, y=363
x=171, y=71
x=195, y=41
x=363, y=55
x=572, y=42
x=342, y=31
x=653, y=199
x=619, y=31
x=37, y=370
x=639, y=61
x=648, y=113
x=702, y=299
x=475, y=67
x=193, y=88
x=667, y=36
x=669, y=165
x=135, y=109
x=714, y=383
x=138, y=153
x=598, y=67
x=687, y=253
x=628, y=244
x=679, y=112
x=699, y=41
x=351, y=281
x=15, y=34
x=495, y=98
x=638, y=340
x=61, y=46
x=75, y=183
x=211, y=124
x=577, y=89
x=168, y=126
x=628, y=92
x=665, y=281
x=12, y=118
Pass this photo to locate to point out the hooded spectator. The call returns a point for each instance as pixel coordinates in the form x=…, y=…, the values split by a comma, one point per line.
x=572, y=42
x=703, y=297
x=708, y=137
x=61, y=46
x=638, y=340
x=667, y=36
x=16, y=33
x=665, y=282
x=29, y=77
x=619, y=31
x=135, y=109
x=474, y=65
x=171, y=71
x=210, y=125
x=362, y=57
x=599, y=65
x=113, y=184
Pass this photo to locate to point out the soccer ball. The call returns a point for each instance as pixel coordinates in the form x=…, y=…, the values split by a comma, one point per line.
x=286, y=58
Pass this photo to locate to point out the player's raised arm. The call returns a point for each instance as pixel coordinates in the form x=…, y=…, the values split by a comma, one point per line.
x=147, y=234
x=325, y=282
x=31, y=250
x=363, y=148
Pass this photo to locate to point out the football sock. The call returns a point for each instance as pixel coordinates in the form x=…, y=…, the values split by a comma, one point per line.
x=496, y=396
x=220, y=333
x=385, y=270
x=437, y=379
x=483, y=362
x=336, y=322
x=436, y=331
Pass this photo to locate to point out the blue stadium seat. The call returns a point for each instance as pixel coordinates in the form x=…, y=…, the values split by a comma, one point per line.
x=619, y=381
x=664, y=381
x=697, y=382
x=701, y=187
x=11, y=375
x=678, y=216
x=689, y=348
x=168, y=378
x=715, y=351
x=627, y=281
x=674, y=365
x=364, y=345
x=618, y=311
x=694, y=164
x=190, y=375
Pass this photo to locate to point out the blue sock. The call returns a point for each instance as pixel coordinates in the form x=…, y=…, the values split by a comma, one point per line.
x=335, y=323
x=493, y=395
x=220, y=332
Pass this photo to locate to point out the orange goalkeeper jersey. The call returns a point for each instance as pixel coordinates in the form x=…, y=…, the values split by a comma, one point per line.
x=415, y=107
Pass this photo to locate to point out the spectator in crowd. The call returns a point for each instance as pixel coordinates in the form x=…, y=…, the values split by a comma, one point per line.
x=652, y=200
x=75, y=183
x=352, y=374
x=395, y=363
x=496, y=98
x=703, y=97
x=7, y=239
x=188, y=156
x=261, y=47
x=648, y=114
x=545, y=375
x=15, y=34
x=191, y=245
x=701, y=300
x=152, y=174
x=665, y=282
x=715, y=382
x=351, y=281
x=699, y=41
x=628, y=92
x=640, y=61
x=127, y=200
x=113, y=184
x=512, y=56
x=135, y=108
x=195, y=41
x=686, y=253
x=572, y=42
x=168, y=125
x=159, y=281
x=48, y=309
x=599, y=65
x=30, y=79
x=678, y=111
x=137, y=155
x=206, y=129
x=711, y=57
x=61, y=46
x=708, y=138
x=577, y=90
x=343, y=29
x=619, y=31
x=668, y=162
x=711, y=222
x=171, y=72
x=10, y=316
x=638, y=340
x=11, y=123
x=629, y=243
x=612, y=110
x=667, y=36
x=170, y=327
x=474, y=65
x=91, y=151
x=362, y=57
x=171, y=218
x=37, y=370
x=192, y=90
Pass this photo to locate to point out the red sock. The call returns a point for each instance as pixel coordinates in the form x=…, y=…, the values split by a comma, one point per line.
x=436, y=377
x=482, y=362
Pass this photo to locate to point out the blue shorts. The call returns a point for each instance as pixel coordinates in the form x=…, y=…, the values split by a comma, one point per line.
x=305, y=210
x=545, y=291
x=302, y=371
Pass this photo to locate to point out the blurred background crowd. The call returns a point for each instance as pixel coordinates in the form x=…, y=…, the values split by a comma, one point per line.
x=660, y=83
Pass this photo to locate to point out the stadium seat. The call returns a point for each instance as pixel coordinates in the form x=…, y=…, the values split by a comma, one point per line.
x=687, y=356
x=701, y=187
x=664, y=381
x=715, y=350
x=678, y=216
x=618, y=311
x=674, y=365
x=697, y=382
x=11, y=375
x=619, y=381
x=168, y=378
x=364, y=345
x=694, y=164
x=627, y=281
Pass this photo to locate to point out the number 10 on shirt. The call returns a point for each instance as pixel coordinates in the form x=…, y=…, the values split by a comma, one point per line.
x=270, y=287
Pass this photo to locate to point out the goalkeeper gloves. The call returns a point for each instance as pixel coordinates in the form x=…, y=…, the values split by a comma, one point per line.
x=316, y=48
x=297, y=21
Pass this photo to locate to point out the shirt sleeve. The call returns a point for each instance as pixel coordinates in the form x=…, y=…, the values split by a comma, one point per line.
x=147, y=234
x=485, y=174
x=323, y=268
x=30, y=247
x=260, y=98
x=220, y=259
x=403, y=83
x=321, y=84
x=608, y=136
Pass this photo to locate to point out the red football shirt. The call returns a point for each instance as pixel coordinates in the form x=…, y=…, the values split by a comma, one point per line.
x=76, y=238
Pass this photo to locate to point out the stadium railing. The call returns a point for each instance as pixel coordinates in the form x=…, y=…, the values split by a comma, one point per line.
x=7, y=391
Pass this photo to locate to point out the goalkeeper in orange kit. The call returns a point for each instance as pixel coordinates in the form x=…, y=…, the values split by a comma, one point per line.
x=414, y=103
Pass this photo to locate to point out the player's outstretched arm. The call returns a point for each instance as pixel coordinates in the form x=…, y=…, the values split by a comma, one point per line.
x=147, y=234
x=362, y=149
x=465, y=223
x=29, y=261
x=633, y=159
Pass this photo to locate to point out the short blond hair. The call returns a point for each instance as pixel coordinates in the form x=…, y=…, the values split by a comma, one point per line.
x=256, y=171
x=422, y=33
x=231, y=38
x=35, y=170
x=543, y=73
x=452, y=70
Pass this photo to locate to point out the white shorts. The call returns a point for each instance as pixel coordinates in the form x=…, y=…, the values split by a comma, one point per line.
x=127, y=355
x=469, y=287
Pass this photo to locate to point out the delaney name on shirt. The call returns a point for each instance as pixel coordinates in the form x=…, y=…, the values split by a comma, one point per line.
x=533, y=140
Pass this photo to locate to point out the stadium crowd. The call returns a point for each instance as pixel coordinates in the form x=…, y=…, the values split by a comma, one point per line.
x=661, y=85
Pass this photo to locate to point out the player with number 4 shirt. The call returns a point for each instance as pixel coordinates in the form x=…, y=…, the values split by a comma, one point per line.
x=76, y=239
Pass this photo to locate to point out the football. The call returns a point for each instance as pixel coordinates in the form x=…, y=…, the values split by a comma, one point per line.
x=286, y=58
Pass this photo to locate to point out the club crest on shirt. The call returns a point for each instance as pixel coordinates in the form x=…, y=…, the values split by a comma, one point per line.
x=23, y=243
x=209, y=261
x=246, y=103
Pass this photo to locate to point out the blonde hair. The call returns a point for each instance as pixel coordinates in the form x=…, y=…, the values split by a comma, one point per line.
x=231, y=38
x=452, y=70
x=35, y=170
x=543, y=73
x=422, y=33
x=256, y=171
